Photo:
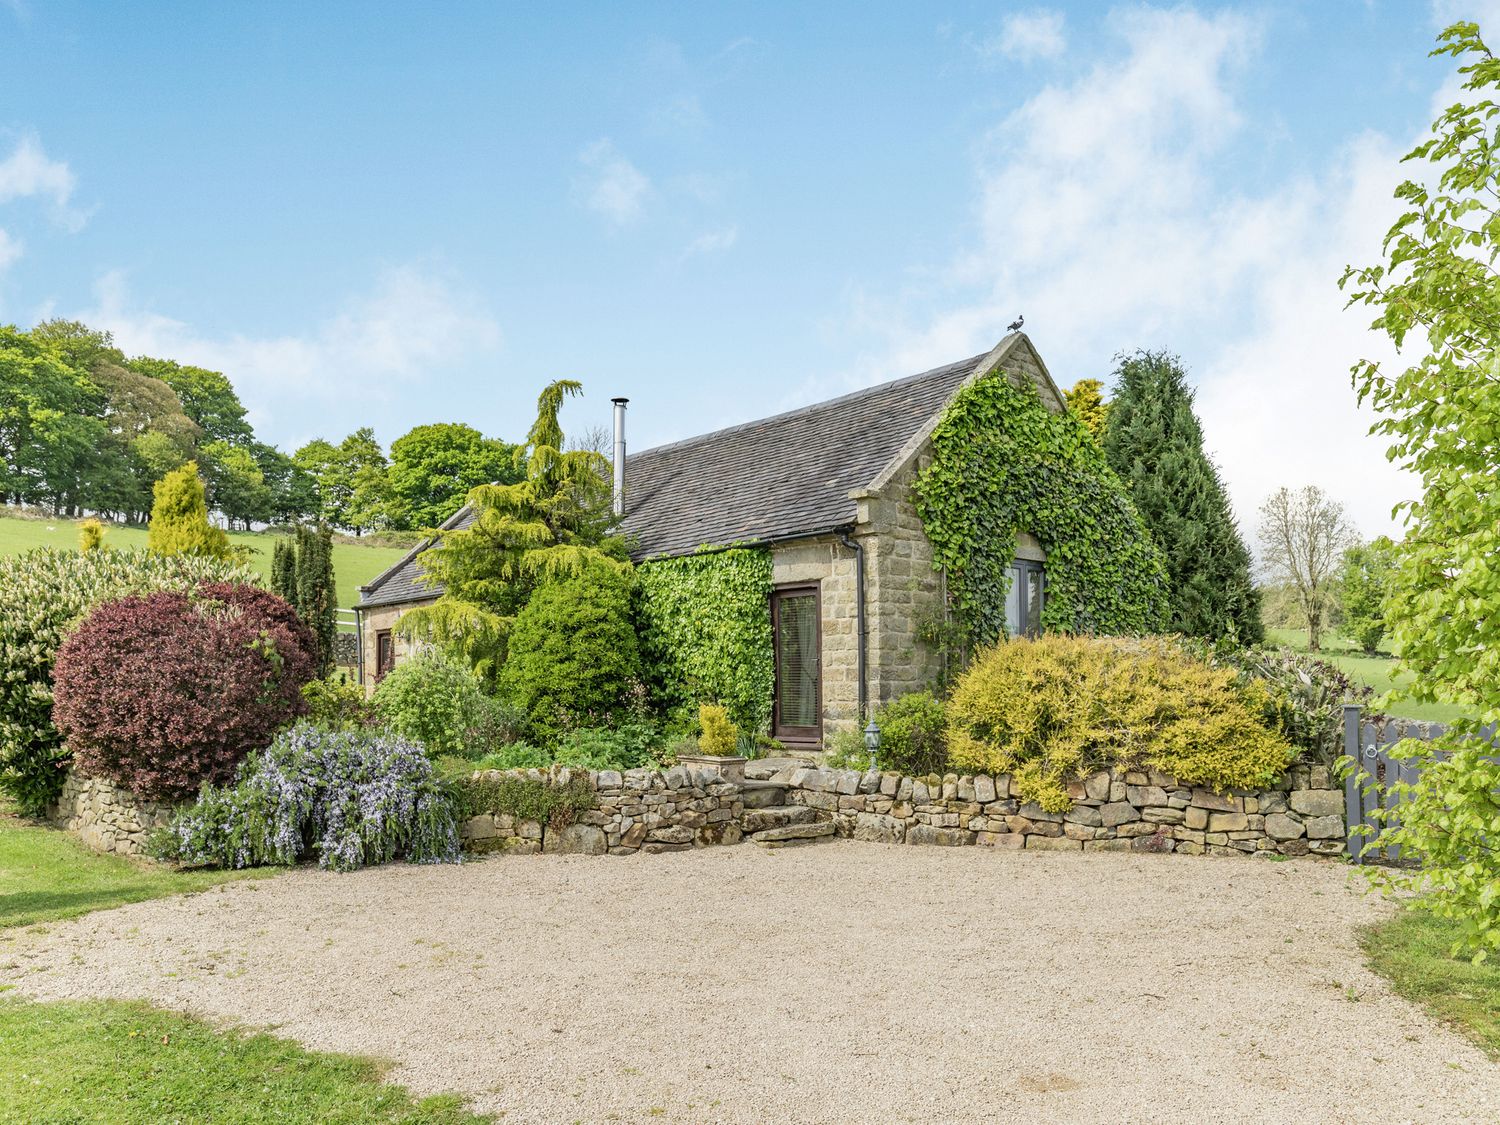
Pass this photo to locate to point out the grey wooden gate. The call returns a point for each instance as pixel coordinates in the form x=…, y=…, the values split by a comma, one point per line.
x=1371, y=784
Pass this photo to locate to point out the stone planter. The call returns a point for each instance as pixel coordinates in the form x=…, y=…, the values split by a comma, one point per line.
x=731, y=769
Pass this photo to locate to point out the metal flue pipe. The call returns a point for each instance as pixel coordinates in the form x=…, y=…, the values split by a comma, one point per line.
x=619, y=497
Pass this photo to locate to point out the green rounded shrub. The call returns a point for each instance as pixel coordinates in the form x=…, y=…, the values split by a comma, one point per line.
x=625, y=747
x=1056, y=709
x=914, y=734
x=572, y=660
x=432, y=699
x=43, y=595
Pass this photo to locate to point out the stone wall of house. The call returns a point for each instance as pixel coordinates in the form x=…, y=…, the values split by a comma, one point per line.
x=1114, y=810
x=639, y=811
x=830, y=564
x=377, y=620
x=906, y=594
x=1022, y=361
x=107, y=817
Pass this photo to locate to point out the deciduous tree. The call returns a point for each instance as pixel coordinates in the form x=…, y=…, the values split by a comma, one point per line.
x=53, y=440
x=1439, y=289
x=434, y=467
x=236, y=486
x=1303, y=535
x=1364, y=583
x=207, y=397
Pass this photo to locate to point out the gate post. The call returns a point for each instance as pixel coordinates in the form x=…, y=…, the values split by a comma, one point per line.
x=1354, y=843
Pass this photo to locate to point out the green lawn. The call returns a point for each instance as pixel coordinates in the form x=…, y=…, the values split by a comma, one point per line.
x=46, y=874
x=353, y=564
x=1374, y=671
x=1411, y=951
x=127, y=1062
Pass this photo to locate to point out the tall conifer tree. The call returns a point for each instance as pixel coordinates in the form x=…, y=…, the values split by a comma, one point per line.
x=179, y=518
x=284, y=571
x=1154, y=441
x=302, y=575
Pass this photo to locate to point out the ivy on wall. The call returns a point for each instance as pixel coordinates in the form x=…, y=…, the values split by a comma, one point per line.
x=706, y=627
x=1002, y=464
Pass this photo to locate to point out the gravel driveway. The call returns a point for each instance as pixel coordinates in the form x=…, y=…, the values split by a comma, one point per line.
x=843, y=982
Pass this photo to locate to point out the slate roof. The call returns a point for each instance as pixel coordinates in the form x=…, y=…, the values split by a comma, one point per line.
x=776, y=478
x=401, y=583
x=779, y=477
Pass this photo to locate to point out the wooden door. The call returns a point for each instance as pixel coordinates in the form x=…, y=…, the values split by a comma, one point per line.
x=797, y=628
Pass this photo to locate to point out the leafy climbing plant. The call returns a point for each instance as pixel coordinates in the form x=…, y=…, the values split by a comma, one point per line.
x=706, y=628
x=1003, y=463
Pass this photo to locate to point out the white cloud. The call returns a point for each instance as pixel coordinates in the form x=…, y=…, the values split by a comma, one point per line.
x=611, y=185
x=29, y=172
x=1109, y=212
x=10, y=249
x=1486, y=13
x=404, y=332
x=712, y=242
x=1035, y=34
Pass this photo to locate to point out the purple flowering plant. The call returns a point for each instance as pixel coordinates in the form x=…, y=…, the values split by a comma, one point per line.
x=352, y=798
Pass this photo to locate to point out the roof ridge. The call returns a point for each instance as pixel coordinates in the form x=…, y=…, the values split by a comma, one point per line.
x=810, y=408
x=390, y=572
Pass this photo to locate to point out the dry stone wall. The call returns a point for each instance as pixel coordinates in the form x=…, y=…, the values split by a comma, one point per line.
x=107, y=817
x=1114, y=810
x=638, y=811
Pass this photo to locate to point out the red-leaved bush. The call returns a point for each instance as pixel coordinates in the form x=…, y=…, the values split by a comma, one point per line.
x=164, y=692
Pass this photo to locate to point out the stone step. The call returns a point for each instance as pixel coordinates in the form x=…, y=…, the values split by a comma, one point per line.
x=793, y=833
x=764, y=769
x=762, y=795
x=777, y=816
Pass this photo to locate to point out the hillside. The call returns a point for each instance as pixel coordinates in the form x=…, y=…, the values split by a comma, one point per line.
x=353, y=564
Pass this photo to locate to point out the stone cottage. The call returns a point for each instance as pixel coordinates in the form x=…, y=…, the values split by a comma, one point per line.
x=827, y=489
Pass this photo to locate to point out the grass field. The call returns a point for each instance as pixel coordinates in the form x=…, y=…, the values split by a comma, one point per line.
x=1412, y=952
x=47, y=874
x=98, y=1061
x=353, y=565
x=1376, y=672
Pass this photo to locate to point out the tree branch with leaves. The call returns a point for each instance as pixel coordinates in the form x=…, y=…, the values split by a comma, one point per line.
x=1437, y=289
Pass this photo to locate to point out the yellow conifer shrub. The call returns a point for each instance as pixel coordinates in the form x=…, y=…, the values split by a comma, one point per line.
x=90, y=535
x=720, y=736
x=1059, y=708
x=179, y=518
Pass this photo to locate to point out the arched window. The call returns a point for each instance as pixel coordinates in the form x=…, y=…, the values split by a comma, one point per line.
x=1028, y=588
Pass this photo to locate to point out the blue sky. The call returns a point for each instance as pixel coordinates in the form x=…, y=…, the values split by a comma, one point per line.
x=388, y=215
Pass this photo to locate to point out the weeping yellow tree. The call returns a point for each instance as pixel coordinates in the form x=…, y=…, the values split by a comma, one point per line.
x=554, y=523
